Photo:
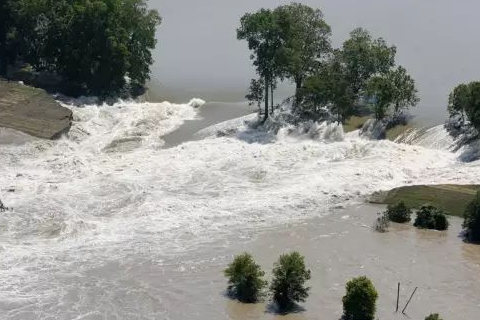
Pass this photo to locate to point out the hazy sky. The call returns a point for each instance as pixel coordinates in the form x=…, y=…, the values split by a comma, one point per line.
x=437, y=41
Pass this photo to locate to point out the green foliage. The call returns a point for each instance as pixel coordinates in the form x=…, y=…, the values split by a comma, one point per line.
x=330, y=87
x=287, y=42
x=289, y=277
x=365, y=57
x=471, y=223
x=433, y=316
x=92, y=45
x=262, y=33
x=464, y=101
x=361, y=69
x=245, y=278
x=305, y=41
x=430, y=217
x=399, y=212
x=256, y=92
x=394, y=88
x=359, y=303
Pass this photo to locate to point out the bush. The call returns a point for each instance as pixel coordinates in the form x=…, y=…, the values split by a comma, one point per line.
x=429, y=217
x=289, y=277
x=382, y=223
x=471, y=224
x=399, y=213
x=360, y=301
x=433, y=316
x=245, y=278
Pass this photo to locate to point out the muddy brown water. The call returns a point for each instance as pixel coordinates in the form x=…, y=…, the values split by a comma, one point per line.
x=337, y=248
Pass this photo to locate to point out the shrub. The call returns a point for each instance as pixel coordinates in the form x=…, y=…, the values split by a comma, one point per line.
x=382, y=223
x=359, y=303
x=433, y=316
x=399, y=213
x=429, y=217
x=289, y=277
x=471, y=224
x=245, y=278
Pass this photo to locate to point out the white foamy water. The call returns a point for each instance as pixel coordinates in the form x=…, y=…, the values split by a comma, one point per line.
x=108, y=194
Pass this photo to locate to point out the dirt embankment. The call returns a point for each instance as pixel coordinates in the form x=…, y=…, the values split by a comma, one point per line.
x=32, y=111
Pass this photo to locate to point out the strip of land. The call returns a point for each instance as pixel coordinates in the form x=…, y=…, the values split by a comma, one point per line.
x=452, y=198
x=32, y=111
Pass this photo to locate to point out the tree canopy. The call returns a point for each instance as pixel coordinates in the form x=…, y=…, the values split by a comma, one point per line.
x=96, y=46
x=360, y=72
x=464, y=101
x=286, y=43
x=305, y=42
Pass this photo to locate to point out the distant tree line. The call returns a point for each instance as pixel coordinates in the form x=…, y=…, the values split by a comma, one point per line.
x=293, y=42
x=96, y=46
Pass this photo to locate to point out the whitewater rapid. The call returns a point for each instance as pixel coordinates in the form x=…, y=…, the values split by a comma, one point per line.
x=108, y=193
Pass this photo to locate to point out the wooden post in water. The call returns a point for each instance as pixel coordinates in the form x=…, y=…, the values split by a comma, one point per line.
x=398, y=296
x=403, y=311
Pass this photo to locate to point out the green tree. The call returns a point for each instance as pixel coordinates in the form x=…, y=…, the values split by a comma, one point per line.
x=330, y=87
x=256, y=92
x=399, y=212
x=94, y=45
x=289, y=277
x=306, y=42
x=430, y=217
x=393, y=89
x=471, y=222
x=245, y=278
x=433, y=316
x=464, y=101
x=359, y=303
x=365, y=57
x=262, y=33
x=341, y=82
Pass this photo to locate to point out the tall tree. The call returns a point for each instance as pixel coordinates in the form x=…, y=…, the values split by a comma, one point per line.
x=365, y=57
x=394, y=89
x=262, y=33
x=306, y=42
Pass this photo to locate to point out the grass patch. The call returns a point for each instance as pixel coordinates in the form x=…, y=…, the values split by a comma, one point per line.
x=397, y=131
x=355, y=123
x=452, y=198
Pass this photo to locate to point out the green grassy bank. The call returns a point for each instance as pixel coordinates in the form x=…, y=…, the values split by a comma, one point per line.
x=452, y=198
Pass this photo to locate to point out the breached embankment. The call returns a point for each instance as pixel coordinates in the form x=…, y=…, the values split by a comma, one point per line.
x=32, y=111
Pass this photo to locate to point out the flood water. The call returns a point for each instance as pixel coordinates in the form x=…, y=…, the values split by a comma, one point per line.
x=110, y=222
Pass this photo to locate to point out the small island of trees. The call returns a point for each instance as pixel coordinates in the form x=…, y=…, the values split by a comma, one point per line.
x=293, y=42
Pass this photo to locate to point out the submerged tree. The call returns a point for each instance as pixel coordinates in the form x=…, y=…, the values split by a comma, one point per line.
x=471, y=224
x=359, y=303
x=245, y=278
x=289, y=277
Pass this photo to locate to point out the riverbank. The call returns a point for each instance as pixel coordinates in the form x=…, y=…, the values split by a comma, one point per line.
x=453, y=198
x=32, y=111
